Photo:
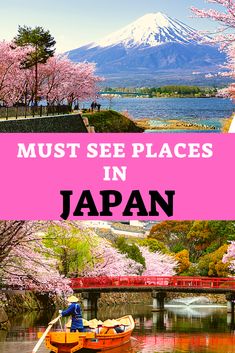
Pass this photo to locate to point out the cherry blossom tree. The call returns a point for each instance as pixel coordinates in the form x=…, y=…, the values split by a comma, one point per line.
x=158, y=264
x=108, y=261
x=59, y=80
x=24, y=260
x=11, y=73
x=83, y=83
x=225, y=35
x=62, y=80
x=226, y=18
x=229, y=257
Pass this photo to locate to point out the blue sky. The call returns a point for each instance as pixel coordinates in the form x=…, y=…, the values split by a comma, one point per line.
x=76, y=22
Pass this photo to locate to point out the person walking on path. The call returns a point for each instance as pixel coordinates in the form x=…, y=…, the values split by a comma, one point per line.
x=75, y=311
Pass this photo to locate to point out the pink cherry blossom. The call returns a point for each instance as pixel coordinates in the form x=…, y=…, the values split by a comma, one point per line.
x=229, y=257
x=108, y=261
x=60, y=80
x=158, y=264
x=224, y=36
x=11, y=58
x=25, y=263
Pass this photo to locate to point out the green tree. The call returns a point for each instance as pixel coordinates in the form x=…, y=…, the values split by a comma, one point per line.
x=43, y=48
x=71, y=246
x=172, y=233
x=198, y=237
x=207, y=236
x=212, y=265
x=154, y=245
x=183, y=260
x=224, y=230
x=131, y=250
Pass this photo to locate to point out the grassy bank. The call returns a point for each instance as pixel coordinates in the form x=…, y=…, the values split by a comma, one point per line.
x=111, y=121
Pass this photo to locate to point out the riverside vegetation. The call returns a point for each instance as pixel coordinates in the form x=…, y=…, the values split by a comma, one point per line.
x=170, y=91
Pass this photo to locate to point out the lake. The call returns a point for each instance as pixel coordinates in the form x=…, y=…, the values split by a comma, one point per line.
x=194, y=329
x=208, y=111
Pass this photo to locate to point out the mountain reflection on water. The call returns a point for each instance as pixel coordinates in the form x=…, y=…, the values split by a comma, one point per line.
x=179, y=329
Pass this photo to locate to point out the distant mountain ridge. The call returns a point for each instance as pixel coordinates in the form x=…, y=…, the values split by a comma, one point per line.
x=151, y=48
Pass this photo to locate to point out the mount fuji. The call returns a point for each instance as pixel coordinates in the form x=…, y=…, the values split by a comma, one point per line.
x=155, y=49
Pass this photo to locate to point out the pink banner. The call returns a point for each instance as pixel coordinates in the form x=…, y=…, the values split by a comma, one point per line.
x=117, y=176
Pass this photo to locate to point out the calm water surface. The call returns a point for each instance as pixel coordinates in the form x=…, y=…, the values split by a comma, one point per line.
x=178, y=330
x=208, y=111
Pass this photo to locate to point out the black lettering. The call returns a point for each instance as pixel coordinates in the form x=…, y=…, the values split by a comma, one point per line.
x=106, y=202
x=166, y=206
x=66, y=203
x=135, y=201
x=86, y=201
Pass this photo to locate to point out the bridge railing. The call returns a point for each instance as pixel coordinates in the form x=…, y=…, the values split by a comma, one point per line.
x=152, y=281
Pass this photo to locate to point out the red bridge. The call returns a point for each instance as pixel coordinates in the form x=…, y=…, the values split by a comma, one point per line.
x=92, y=287
x=148, y=283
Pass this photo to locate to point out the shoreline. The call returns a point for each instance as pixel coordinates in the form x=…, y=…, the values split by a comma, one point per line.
x=171, y=124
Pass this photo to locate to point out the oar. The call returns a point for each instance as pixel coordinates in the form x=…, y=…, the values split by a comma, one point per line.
x=60, y=324
x=133, y=338
x=37, y=346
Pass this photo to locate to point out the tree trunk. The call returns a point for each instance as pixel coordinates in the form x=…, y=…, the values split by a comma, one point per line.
x=36, y=84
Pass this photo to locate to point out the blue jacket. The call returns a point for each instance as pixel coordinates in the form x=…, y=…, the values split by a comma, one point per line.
x=75, y=311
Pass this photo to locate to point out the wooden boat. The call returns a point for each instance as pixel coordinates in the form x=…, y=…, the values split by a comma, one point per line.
x=72, y=342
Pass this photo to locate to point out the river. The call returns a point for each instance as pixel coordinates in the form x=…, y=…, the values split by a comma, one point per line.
x=207, y=111
x=194, y=329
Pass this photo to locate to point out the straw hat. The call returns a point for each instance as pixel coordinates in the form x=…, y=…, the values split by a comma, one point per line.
x=111, y=323
x=116, y=323
x=108, y=323
x=72, y=299
x=95, y=323
x=124, y=322
x=85, y=322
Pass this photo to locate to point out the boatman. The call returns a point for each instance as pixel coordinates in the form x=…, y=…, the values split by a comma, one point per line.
x=75, y=311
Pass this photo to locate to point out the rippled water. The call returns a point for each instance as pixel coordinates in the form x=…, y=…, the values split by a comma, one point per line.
x=209, y=111
x=180, y=329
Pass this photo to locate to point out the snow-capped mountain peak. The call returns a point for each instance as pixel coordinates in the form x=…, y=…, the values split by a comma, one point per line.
x=155, y=48
x=151, y=30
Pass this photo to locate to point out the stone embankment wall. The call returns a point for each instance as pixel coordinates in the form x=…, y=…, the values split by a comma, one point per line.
x=146, y=298
x=4, y=322
x=124, y=298
x=15, y=302
x=66, y=123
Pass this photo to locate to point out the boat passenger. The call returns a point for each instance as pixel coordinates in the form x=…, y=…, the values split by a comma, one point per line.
x=95, y=325
x=85, y=325
x=99, y=326
x=75, y=311
x=119, y=329
x=108, y=327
